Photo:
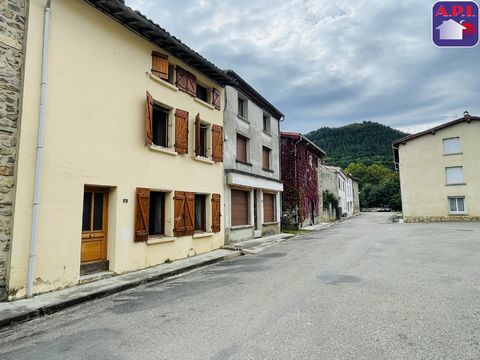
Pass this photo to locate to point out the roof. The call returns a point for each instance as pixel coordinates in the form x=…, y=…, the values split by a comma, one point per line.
x=466, y=118
x=243, y=86
x=301, y=138
x=147, y=29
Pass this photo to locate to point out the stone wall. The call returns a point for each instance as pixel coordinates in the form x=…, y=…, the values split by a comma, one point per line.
x=455, y=218
x=13, y=15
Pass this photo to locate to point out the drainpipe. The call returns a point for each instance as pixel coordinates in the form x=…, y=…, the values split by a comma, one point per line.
x=40, y=141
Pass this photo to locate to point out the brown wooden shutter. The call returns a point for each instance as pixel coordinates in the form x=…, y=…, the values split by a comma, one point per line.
x=181, y=131
x=182, y=79
x=189, y=213
x=142, y=209
x=266, y=158
x=216, y=98
x=216, y=215
x=160, y=65
x=217, y=143
x=148, y=119
x=191, y=84
x=241, y=148
x=179, y=214
x=239, y=207
x=197, y=135
x=268, y=208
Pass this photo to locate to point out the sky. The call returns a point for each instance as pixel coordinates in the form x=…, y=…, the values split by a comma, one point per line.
x=332, y=62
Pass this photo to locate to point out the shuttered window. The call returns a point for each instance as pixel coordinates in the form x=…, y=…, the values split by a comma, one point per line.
x=268, y=208
x=216, y=215
x=216, y=98
x=242, y=148
x=217, y=143
x=184, y=222
x=266, y=158
x=142, y=208
x=186, y=81
x=160, y=65
x=239, y=207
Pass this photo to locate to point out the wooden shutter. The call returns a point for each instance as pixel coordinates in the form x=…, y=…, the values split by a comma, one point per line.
x=160, y=65
x=217, y=143
x=216, y=213
x=268, y=208
x=191, y=84
x=181, y=131
x=241, y=148
x=148, y=119
x=142, y=209
x=179, y=214
x=239, y=207
x=266, y=158
x=216, y=98
x=182, y=79
x=197, y=135
x=189, y=213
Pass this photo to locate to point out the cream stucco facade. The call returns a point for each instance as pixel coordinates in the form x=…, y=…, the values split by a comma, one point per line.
x=427, y=194
x=98, y=74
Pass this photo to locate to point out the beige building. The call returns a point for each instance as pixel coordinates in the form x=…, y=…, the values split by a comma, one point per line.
x=132, y=172
x=440, y=172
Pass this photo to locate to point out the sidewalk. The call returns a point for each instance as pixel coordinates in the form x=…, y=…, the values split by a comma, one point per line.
x=318, y=226
x=256, y=245
x=44, y=304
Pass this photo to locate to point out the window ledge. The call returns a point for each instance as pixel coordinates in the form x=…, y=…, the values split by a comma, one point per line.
x=271, y=223
x=203, y=159
x=242, y=118
x=460, y=153
x=243, y=162
x=163, y=82
x=152, y=240
x=268, y=170
x=267, y=133
x=202, y=235
x=458, y=214
x=207, y=105
x=162, y=149
x=459, y=184
x=241, y=227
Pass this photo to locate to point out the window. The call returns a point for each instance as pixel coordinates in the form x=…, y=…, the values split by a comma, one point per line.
x=160, y=66
x=171, y=73
x=242, y=107
x=160, y=126
x=200, y=212
x=202, y=93
x=266, y=123
x=451, y=146
x=156, y=218
x=239, y=207
x=456, y=205
x=203, y=148
x=242, y=143
x=266, y=158
x=268, y=208
x=454, y=175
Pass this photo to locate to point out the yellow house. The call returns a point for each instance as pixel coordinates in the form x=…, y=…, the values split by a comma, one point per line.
x=440, y=172
x=129, y=173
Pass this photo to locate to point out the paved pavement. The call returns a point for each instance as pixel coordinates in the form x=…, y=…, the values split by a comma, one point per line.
x=362, y=289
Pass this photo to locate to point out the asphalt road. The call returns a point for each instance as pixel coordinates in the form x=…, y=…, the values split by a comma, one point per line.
x=363, y=289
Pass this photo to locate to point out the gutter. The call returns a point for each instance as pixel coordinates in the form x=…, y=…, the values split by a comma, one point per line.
x=40, y=146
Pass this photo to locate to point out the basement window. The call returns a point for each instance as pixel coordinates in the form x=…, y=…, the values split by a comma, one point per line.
x=456, y=205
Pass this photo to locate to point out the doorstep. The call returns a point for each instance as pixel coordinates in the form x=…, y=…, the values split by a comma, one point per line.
x=44, y=304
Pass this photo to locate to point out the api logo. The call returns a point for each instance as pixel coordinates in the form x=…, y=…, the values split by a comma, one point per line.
x=455, y=23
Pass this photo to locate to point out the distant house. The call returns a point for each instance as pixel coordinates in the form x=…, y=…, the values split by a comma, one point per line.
x=440, y=172
x=252, y=163
x=343, y=186
x=301, y=203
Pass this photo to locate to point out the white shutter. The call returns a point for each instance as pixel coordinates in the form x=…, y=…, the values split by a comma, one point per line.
x=455, y=175
x=451, y=146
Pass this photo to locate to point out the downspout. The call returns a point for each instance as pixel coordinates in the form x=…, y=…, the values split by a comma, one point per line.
x=282, y=118
x=40, y=145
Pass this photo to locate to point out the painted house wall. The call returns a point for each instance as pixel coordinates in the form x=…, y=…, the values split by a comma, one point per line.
x=423, y=180
x=98, y=76
x=300, y=179
x=252, y=175
x=13, y=14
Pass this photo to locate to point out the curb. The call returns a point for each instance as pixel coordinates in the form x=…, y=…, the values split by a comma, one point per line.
x=60, y=305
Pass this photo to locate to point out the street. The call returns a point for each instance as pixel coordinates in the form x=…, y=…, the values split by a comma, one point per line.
x=366, y=288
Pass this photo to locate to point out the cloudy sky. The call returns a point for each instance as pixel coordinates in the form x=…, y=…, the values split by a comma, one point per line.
x=332, y=62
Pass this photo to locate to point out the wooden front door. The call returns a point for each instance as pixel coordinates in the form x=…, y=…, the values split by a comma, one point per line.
x=94, y=225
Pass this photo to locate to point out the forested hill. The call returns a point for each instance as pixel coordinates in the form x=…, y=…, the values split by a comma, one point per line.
x=367, y=143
